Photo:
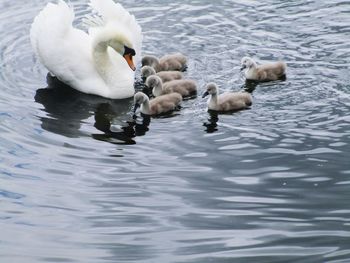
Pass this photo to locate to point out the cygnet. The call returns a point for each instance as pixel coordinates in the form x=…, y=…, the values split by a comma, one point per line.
x=230, y=101
x=266, y=72
x=166, y=76
x=185, y=87
x=162, y=104
x=176, y=62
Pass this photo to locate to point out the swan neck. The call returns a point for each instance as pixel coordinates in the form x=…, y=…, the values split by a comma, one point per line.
x=101, y=47
x=254, y=66
x=145, y=107
x=252, y=71
x=101, y=58
x=214, y=100
x=157, y=90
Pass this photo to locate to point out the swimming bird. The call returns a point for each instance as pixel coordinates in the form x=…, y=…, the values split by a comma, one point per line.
x=162, y=104
x=100, y=62
x=185, y=87
x=230, y=101
x=265, y=72
x=177, y=62
x=166, y=76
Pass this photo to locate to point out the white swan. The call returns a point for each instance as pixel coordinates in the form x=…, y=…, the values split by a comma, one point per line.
x=99, y=62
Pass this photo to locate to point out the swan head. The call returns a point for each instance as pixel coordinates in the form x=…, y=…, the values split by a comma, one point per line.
x=211, y=89
x=139, y=99
x=128, y=55
x=247, y=63
x=147, y=71
x=124, y=47
x=115, y=38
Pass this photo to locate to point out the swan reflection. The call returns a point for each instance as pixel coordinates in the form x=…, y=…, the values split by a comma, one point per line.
x=67, y=110
x=211, y=125
x=250, y=85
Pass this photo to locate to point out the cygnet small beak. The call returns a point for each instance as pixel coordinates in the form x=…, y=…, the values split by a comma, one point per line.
x=243, y=67
x=205, y=94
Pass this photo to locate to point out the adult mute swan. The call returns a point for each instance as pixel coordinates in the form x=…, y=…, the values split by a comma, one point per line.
x=99, y=62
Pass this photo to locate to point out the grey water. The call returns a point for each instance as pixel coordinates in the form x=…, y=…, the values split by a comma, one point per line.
x=81, y=181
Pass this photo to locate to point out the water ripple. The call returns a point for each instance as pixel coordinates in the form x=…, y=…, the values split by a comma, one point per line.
x=82, y=182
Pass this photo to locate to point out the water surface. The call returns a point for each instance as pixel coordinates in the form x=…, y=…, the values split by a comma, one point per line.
x=81, y=182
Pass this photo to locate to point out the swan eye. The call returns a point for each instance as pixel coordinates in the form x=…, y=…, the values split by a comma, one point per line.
x=129, y=51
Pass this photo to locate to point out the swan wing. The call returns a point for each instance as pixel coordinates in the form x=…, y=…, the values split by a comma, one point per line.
x=55, y=20
x=112, y=12
x=48, y=31
x=64, y=50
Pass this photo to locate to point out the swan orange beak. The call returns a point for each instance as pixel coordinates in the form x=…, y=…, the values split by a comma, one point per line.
x=128, y=58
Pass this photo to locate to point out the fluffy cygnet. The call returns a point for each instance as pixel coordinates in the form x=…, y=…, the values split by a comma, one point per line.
x=176, y=62
x=185, y=87
x=166, y=76
x=156, y=106
x=231, y=101
x=265, y=72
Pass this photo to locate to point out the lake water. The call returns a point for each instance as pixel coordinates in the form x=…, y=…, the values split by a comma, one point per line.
x=268, y=185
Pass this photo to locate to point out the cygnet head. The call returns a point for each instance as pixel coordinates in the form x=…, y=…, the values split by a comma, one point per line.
x=149, y=61
x=147, y=71
x=154, y=82
x=139, y=99
x=247, y=62
x=212, y=89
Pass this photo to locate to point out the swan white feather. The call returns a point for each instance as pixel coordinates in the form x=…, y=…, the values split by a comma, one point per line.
x=112, y=12
x=90, y=62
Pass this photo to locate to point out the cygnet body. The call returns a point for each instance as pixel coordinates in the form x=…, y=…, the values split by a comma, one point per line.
x=230, y=101
x=185, y=87
x=165, y=76
x=176, y=62
x=162, y=104
x=266, y=72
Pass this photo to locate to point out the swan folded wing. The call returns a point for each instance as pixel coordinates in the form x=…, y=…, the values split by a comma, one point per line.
x=231, y=101
x=272, y=71
x=64, y=50
x=54, y=20
x=165, y=103
x=176, y=61
x=49, y=33
x=112, y=12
